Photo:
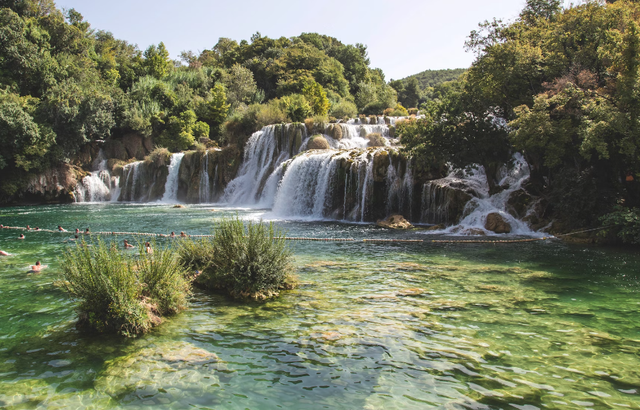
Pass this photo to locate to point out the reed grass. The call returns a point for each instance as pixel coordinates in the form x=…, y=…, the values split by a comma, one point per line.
x=123, y=293
x=246, y=262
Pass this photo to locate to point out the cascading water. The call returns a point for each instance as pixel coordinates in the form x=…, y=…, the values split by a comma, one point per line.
x=132, y=183
x=99, y=185
x=204, y=191
x=481, y=203
x=171, y=186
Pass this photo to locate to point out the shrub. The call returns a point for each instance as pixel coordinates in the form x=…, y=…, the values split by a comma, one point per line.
x=296, y=107
x=318, y=142
x=343, y=109
x=159, y=157
x=625, y=222
x=376, y=140
x=244, y=262
x=412, y=111
x=399, y=111
x=122, y=294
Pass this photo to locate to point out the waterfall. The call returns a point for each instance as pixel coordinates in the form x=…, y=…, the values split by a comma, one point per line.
x=264, y=152
x=132, y=182
x=204, y=191
x=438, y=198
x=99, y=185
x=171, y=186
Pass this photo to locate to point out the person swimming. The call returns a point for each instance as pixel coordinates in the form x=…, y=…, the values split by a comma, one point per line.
x=148, y=248
x=4, y=253
x=127, y=245
x=77, y=230
x=21, y=236
x=87, y=232
x=173, y=234
x=61, y=229
x=37, y=267
x=183, y=235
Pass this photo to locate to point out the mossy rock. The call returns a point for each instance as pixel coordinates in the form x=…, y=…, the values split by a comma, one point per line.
x=334, y=131
x=318, y=142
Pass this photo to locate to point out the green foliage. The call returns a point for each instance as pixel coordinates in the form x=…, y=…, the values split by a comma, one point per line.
x=375, y=97
x=317, y=98
x=240, y=85
x=179, y=133
x=296, y=107
x=213, y=108
x=24, y=142
x=343, y=109
x=157, y=62
x=159, y=157
x=249, y=261
x=625, y=222
x=122, y=294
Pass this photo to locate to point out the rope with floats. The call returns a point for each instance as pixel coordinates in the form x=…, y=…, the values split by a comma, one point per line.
x=182, y=235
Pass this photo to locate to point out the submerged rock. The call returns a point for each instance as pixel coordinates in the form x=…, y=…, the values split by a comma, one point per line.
x=496, y=223
x=395, y=222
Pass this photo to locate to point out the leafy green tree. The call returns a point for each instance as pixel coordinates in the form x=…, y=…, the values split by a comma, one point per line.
x=240, y=85
x=23, y=143
x=157, y=61
x=213, y=109
x=317, y=98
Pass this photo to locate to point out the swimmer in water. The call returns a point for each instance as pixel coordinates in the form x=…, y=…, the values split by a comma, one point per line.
x=173, y=234
x=37, y=267
x=61, y=229
x=3, y=253
x=87, y=232
x=127, y=245
x=21, y=236
x=77, y=230
x=183, y=235
x=148, y=248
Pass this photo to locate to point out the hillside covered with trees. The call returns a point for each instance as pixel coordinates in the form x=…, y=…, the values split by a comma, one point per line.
x=561, y=87
x=64, y=85
x=418, y=88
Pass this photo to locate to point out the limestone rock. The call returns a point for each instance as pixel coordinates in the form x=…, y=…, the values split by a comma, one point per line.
x=395, y=222
x=496, y=223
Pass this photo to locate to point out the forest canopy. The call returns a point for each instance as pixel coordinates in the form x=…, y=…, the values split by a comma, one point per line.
x=64, y=85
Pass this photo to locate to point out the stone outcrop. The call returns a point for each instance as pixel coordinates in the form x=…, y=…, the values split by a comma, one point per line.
x=54, y=186
x=444, y=201
x=395, y=222
x=496, y=223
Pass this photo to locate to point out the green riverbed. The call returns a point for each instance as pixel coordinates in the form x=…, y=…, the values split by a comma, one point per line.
x=394, y=326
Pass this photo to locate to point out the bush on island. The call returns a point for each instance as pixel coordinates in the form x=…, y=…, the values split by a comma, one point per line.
x=245, y=262
x=122, y=294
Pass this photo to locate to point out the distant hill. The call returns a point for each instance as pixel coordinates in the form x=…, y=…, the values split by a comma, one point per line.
x=431, y=78
x=417, y=89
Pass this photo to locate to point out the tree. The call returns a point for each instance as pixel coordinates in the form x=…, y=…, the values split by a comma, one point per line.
x=240, y=85
x=157, y=61
x=317, y=98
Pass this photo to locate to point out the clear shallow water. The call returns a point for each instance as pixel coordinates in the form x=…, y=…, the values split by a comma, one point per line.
x=529, y=325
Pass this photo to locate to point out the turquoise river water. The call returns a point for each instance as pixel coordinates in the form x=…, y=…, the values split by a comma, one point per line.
x=373, y=325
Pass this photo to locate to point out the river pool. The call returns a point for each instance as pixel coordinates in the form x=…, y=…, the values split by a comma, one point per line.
x=373, y=325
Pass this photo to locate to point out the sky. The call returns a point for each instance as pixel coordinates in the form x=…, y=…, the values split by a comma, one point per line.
x=402, y=37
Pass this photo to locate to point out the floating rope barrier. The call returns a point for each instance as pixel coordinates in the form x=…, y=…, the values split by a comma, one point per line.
x=461, y=241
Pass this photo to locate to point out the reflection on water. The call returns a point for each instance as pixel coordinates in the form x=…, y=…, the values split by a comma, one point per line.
x=531, y=325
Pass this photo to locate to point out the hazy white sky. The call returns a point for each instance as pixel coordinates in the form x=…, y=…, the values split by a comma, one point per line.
x=403, y=37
